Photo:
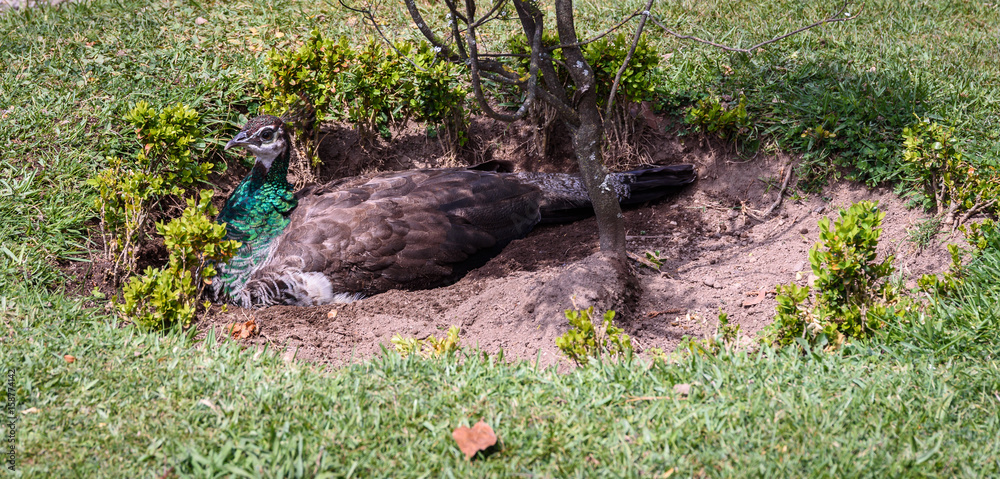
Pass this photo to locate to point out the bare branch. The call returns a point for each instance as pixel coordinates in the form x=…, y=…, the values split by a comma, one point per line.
x=628, y=58
x=972, y=211
x=485, y=18
x=455, y=17
x=411, y=7
x=530, y=15
x=477, y=88
x=833, y=18
x=500, y=78
x=781, y=192
x=454, y=11
x=602, y=35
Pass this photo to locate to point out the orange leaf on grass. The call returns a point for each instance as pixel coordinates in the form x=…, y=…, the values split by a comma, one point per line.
x=472, y=440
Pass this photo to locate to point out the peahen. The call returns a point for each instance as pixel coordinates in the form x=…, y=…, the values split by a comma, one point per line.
x=410, y=229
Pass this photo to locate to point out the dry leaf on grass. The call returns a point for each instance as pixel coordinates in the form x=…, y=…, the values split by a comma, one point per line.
x=472, y=440
x=243, y=330
x=683, y=389
x=69, y=359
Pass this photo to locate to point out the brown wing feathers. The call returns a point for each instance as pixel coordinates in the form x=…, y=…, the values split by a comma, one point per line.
x=410, y=230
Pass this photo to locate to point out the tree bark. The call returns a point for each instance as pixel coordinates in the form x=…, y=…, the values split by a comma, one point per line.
x=587, y=136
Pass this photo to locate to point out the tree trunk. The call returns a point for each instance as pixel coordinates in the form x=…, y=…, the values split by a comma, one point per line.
x=587, y=138
x=610, y=223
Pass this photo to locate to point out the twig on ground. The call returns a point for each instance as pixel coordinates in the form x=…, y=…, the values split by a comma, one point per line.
x=781, y=195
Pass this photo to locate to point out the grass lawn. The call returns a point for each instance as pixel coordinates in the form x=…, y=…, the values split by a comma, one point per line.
x=922, y=399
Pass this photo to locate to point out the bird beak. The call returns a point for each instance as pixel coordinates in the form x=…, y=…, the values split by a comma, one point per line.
x=239, y=140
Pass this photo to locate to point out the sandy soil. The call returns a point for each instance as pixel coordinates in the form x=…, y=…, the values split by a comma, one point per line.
x=716, y=256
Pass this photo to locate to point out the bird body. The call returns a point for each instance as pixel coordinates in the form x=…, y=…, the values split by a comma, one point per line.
x=400, y=230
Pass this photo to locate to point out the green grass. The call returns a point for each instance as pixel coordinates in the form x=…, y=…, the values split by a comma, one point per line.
x=923, y=399
x=135, y=404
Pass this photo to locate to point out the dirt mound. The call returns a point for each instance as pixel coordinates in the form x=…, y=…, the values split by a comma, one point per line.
x=716, y=257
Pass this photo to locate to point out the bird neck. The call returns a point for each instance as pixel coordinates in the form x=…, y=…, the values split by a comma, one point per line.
x=258, y=209
x=255, y=214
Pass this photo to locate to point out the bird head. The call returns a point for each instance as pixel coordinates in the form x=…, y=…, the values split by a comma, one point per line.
x=264, y=136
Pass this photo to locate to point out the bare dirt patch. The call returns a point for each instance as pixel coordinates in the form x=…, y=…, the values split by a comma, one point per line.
x=716, y=257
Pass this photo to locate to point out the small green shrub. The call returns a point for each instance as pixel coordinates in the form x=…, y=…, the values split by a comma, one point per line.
x=655, y=259
x=981, y=236
x=372, y=87
x=584, y=341
x=161, y=298
x=638, y=81
x=949, y=182
x=949, y=281
x=852, y=296
x=725, y=337
x=605, y=56
x=304, y=81
x=130, y=189
x=430, y=347
x=439, y=96
x=727, y=120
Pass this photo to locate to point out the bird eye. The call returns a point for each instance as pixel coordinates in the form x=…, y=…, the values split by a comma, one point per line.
x=267, y=135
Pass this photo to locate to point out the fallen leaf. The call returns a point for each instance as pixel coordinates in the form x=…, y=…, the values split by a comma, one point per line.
x=243, y=330
x=472, y=440
x=208, y=402
x=753, y=301
x=683, y=389
x=31, y=410
x=200, y=21
x=69, y=359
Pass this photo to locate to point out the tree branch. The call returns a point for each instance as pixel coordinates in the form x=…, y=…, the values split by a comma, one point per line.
x=411, y=7
x=477, y=87
x=485, y=18
x=628, y=58
x=602, y=35
x=531, y=18
x=834, y=18
x=455, y=16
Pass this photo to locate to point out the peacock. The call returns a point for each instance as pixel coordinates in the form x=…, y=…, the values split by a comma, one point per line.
x=414, y=229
